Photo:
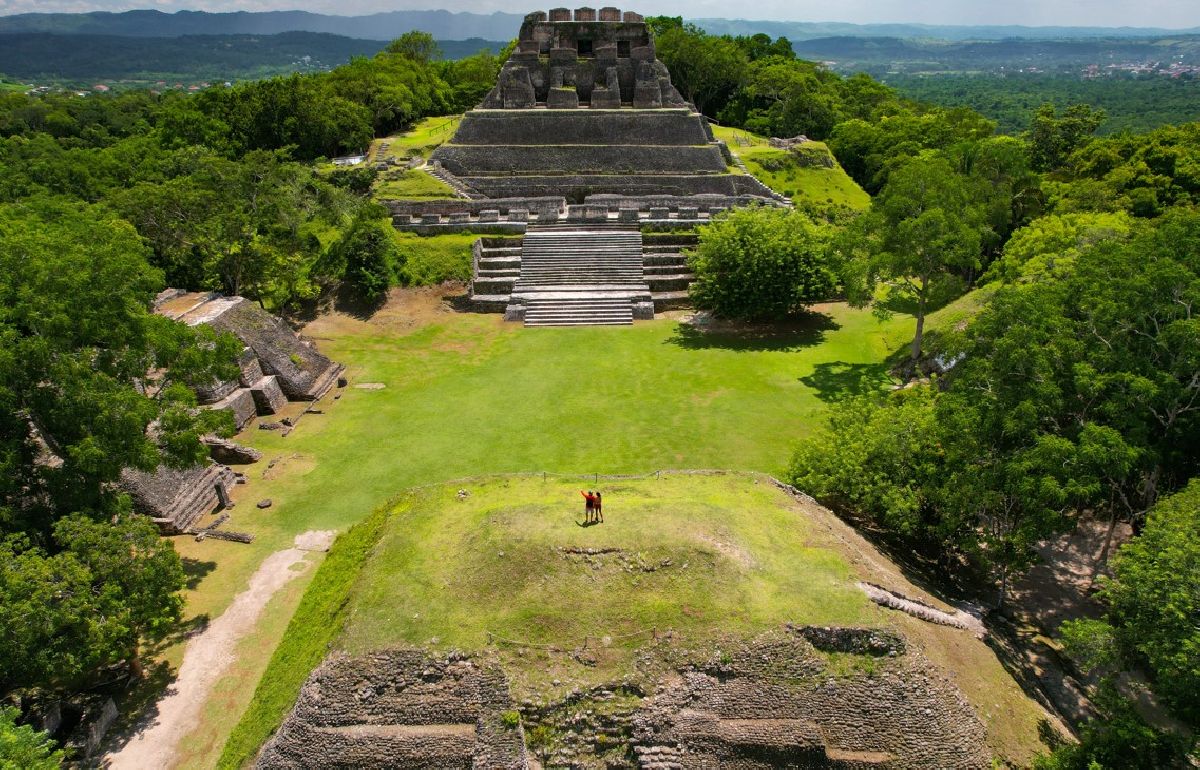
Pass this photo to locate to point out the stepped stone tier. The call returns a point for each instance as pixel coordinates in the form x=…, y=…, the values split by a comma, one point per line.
x=567, y=276
x=583, y=140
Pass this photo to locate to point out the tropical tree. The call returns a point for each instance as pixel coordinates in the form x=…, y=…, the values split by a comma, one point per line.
x=23, y=748
x=921, y=228
x=762, y=263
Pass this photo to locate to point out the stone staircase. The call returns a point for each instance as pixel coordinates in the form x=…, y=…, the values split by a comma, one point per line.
x=579, y=311
x=461, y=189
x=666, y=269
x=497, y=268
x=580, y=276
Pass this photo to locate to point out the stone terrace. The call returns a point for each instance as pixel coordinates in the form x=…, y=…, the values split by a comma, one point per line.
x=612, y=269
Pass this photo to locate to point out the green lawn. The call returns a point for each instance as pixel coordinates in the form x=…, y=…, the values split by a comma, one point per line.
x=421, y=139
x=410, y=184
x=431, y=259
x=469, y=394
x=780, y=171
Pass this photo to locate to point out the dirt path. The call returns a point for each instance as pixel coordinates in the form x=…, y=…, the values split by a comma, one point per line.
x=208, y=655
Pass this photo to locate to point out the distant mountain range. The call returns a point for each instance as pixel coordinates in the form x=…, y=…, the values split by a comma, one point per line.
x=805, y=30
x=443, y=25
x=41, y=56
x=446, y=25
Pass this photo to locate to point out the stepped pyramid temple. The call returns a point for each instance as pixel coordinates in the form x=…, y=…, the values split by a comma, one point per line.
x=583, y=144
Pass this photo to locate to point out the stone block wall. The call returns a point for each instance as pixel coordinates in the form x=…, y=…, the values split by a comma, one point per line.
x=472, y=161
x=577, y=187
x=670, y=127
x=401, y=708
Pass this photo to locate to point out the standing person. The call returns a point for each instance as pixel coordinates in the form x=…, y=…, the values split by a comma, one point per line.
x=590, y=506
x=598, y=506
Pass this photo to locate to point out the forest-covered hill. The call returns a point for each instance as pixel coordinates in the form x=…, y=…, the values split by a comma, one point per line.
x=43, y=57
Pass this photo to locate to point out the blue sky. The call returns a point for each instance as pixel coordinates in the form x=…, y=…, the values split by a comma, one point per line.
x=1142, y=13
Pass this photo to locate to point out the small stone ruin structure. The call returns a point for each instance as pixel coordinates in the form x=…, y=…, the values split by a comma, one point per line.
x=176, y=499
x=275, y=366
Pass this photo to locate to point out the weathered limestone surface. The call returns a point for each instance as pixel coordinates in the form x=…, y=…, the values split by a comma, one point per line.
x=175, y=499
x=228, y=452
x=241, y=404
x=775, y=703
x=401, y=708
x=268, y=396
x=304, y=373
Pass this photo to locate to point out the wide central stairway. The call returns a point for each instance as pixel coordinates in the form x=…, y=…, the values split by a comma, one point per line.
x=574, y=275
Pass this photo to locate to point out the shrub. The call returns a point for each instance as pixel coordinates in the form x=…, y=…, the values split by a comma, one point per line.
x=762, y=263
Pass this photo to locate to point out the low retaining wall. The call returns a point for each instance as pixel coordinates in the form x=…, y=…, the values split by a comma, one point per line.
x=578, y=187
x=503, y=206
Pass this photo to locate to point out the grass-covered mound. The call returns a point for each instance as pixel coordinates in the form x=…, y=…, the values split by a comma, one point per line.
x=704, y=555
x=685, y=568
x=808, y=174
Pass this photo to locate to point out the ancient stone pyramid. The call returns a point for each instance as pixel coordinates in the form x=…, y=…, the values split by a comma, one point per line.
x=583, y=107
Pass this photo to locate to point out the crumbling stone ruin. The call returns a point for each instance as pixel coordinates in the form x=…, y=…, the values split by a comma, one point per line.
x=276, y=365
x=176, y=499
x=800, y=696
x=401, y=708
x=776, y=703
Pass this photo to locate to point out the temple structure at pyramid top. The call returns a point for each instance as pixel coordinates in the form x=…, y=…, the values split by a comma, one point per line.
x=565, y=59
x=581, y=108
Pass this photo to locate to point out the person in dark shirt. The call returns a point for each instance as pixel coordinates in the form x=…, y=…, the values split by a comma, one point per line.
x=598, y=507
x=590, y=506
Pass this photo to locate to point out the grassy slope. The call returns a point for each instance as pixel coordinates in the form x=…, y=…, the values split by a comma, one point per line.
x=314, y=626
x=411, y=184
x=457, y=570
x=813, y=185
x=421, y=139
x=432, y=259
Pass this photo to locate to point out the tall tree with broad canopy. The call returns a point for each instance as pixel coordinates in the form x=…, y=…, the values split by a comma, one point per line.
x=91, y=382
x=921, y=228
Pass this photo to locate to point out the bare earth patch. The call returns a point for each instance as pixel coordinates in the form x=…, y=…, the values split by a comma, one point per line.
x=406, y=309
x=154, y=741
